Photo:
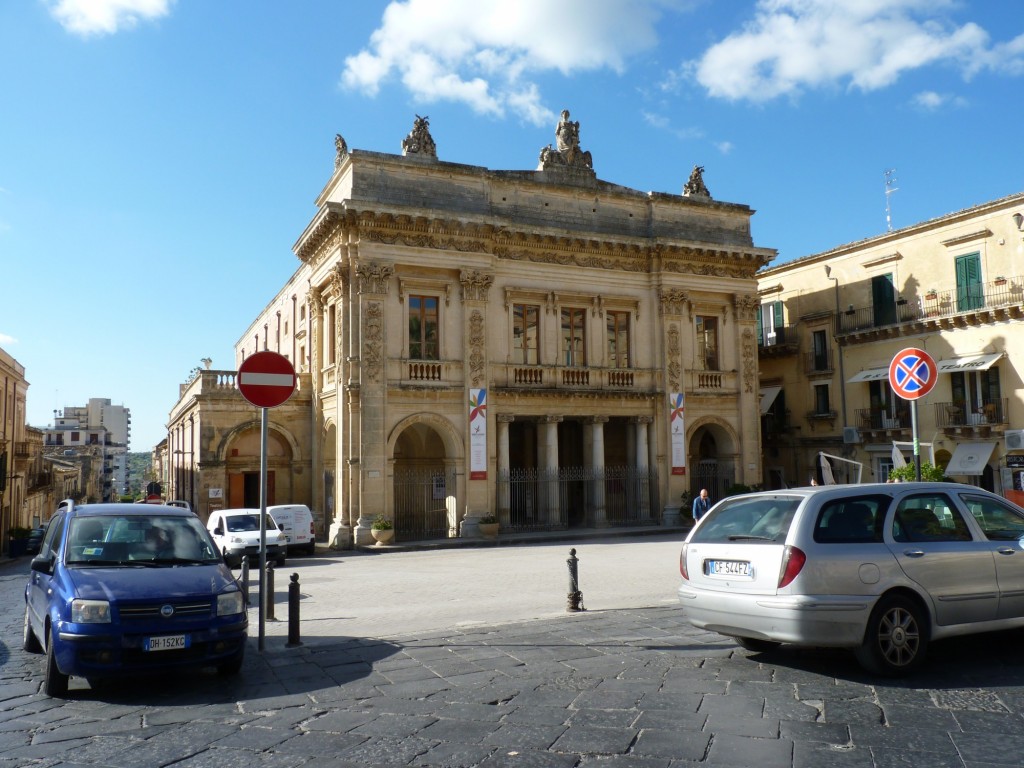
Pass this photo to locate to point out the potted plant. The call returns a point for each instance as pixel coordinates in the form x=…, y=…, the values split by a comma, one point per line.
x=1000, y=280
x=382, y=530
x=931, y=294
x=488, y=526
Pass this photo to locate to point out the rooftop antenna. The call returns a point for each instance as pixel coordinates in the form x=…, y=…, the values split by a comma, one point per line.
x=890, y=181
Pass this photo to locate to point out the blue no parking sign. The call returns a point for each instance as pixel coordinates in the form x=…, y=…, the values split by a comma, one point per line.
x=912, y=373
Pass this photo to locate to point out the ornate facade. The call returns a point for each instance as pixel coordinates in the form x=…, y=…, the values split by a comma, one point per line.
x=539, y=345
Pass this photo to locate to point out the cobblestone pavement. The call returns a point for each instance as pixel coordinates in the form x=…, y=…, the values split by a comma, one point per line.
x=625, y=684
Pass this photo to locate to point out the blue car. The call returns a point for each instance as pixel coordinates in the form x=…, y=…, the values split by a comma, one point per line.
x=124, y=589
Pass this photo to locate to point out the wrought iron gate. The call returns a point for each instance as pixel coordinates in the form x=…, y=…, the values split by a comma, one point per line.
x=422, y=498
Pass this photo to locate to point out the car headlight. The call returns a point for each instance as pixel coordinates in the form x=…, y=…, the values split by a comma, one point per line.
x=281, y=538
x=90, y=612
x=229, y=604
x=237, y=540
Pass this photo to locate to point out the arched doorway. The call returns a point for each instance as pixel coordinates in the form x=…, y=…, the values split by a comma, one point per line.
x=424, y=484
x=713, y=456
x=243, y=468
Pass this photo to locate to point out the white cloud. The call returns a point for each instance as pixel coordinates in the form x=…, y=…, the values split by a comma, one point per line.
x=485, y=53
x=7, y=339
x=105, y=17
x=932, y=101
x=794, y=45
x=725, y=147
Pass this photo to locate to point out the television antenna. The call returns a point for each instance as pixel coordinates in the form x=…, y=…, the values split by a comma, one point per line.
x=890, y=181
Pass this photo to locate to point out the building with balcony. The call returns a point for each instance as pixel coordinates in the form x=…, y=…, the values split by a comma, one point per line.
x=540, y=345
x=14, y=446
x=830, y=324
x=98, y=435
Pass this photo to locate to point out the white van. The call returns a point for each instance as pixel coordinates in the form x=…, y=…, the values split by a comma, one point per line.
x=297, y=523
x=237, y=532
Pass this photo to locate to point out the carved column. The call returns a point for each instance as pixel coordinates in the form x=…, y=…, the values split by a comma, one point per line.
x=475, y=287
x=748, y=403
x=641, y=488
x=340, y=534
x=597, y=515
x=504, y=480
x=676, y=321
x=373, y=280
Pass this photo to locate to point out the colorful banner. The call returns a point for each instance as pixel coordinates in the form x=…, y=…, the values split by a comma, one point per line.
x=677, y=431
x=478, y=434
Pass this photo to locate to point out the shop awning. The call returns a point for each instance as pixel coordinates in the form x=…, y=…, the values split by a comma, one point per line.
x=870, y=374
x=970, y=458
x=768, y=395
x=968, y=363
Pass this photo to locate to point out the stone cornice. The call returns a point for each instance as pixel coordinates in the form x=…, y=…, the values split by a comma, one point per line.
x=629, y=255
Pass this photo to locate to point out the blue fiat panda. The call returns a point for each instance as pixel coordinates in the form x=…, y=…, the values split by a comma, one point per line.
x=123, y=589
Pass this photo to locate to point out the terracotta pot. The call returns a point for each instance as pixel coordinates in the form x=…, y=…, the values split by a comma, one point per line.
x=488, y=530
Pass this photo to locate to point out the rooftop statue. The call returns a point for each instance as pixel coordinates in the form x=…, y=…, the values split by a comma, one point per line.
x=695, y=186
x=419, y=141
x=567, y=152
x=341, y=150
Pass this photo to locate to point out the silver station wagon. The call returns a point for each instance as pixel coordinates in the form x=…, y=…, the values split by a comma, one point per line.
x=881, y=569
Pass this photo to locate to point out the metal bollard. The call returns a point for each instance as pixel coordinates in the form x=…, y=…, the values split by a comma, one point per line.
x=244, y=579
x=268, y=599
x=293, y=613
x=575, y=596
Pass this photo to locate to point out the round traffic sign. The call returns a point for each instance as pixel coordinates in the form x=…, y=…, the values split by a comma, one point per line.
x=912, y=373
x=266, y=379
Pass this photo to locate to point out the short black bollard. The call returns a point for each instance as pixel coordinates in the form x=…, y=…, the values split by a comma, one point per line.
x=268, y=599
x=244, y=579
x=293, y=613
x=575, y=596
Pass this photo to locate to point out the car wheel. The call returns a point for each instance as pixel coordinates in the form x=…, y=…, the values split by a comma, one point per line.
x=896, y=638
x=311, y=549
x=29, y=641
x=756, y=645
x=55, y=683
x=232, y=666
x=280, y=561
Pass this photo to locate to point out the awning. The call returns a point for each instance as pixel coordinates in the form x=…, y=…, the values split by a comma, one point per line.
x=768, y=395
x=968, y=363
x=871, y=374
x=970, y=458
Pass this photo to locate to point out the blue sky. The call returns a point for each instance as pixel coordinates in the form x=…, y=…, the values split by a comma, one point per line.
x=159, y=158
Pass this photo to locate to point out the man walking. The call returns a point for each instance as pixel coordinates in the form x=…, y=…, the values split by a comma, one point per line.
x=701, y=504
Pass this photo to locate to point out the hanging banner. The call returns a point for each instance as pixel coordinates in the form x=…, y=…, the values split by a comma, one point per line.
x=478, y=434
x=677, y=430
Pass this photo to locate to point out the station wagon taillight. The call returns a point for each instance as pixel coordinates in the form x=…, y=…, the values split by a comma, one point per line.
x=682, y=563
x=793, y=559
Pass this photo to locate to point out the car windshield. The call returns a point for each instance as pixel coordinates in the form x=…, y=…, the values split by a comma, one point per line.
x=238, y=523
x=749, y=518
x=139, y=540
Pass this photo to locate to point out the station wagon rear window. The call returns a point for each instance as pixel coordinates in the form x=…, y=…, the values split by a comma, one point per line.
x=754, y=519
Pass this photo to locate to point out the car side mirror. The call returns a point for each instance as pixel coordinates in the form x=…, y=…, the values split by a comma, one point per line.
x=218, y=531
x=41, y=564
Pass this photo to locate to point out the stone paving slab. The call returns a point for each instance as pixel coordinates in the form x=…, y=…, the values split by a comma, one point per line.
x=629, y=687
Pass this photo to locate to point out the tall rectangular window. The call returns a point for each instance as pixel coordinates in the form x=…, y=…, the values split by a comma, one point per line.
x=332, y=334
x=618, y=339
x=883, y=300
x=525, y=333
x=821, y=401
x=423, y=328
x=969, y=290
x=769, y=324
x=707, y=342
x=819, y=346
x=574, y=336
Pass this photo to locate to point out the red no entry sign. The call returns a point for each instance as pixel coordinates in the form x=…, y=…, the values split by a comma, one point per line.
x=266, y=379
x=912, y=373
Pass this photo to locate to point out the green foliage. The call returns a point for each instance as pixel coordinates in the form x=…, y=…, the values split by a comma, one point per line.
x=381, y=523
x=908, y=474
x=18, y=532
x=737, y=488
x=488, y=519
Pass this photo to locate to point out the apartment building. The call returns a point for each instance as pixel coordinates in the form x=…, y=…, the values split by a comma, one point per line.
x=830, y=324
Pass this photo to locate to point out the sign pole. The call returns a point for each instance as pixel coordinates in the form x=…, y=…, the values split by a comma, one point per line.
x=263, y=528
x=917, y=443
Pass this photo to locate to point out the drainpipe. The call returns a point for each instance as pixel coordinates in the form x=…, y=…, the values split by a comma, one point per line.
x=839, y=347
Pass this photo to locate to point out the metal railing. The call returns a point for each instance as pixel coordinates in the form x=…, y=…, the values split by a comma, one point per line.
x=422, y=499
x=934, y=304
x=885, y=417
x=818, y=362
x=959, y=414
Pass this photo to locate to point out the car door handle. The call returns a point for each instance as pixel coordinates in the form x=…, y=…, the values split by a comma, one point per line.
x=913, y=552
x=1006, y=550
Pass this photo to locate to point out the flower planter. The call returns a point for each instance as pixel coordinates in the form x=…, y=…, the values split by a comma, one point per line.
x=382, y=537
x=488, y=530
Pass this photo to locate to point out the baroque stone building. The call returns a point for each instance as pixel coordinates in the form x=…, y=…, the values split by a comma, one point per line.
x=541, y=345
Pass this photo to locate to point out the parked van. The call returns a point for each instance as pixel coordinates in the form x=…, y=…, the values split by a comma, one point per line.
x=237, y=532
x=297, y=523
